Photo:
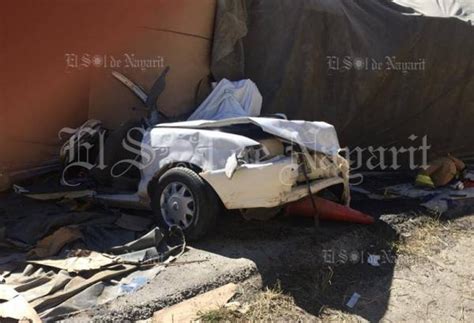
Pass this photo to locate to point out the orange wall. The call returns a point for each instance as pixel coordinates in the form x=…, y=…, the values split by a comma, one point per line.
x=38, y=94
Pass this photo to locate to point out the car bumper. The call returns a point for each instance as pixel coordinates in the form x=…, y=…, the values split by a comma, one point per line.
x=264, y=185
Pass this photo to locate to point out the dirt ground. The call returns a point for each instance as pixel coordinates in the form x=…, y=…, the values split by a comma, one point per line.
x=425, y=274
x=287, y=270
x=431, y=281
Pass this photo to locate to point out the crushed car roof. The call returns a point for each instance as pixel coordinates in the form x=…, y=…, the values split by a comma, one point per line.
x=317, y=136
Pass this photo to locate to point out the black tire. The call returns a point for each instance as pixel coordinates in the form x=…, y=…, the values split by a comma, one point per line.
x=205, y=199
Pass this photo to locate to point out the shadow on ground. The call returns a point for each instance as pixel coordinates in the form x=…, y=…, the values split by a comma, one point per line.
x=321, y=269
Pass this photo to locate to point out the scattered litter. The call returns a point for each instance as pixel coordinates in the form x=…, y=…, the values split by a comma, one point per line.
x=440, y=172
x=353, y=300
x=438, y=200
x=14, y=306
x=458, y=185
x=47, y=196
x=374, y=260
x=60, y=271
x=137, y=280
x=76, y=264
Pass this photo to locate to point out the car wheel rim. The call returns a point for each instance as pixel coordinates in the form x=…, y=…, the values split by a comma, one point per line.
x=178, y=206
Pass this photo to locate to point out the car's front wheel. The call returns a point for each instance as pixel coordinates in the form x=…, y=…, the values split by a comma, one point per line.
x=183, y=199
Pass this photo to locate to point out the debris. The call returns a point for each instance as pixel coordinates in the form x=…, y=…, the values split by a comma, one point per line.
x=91, y=296
x=137, y=279
x=14, y=306
x=52, y=244
x=457, y=185
x=53, y=195
x=77, y=264
x=150, y=99
x=231, y=165
x=78, y=284
x=32, y=172
x=440, y=172
x=102, y=292
x=56, y=283
x=373, y=260
x=81, y=278
x=353, y=300
x=29, y=228
x=328, y=210
x=189, y=310
x=439, y=200
x=84, y=278
x=151, y=239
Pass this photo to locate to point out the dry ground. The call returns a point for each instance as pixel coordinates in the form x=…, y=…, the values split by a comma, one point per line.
x=431, y=280
x=288, y=271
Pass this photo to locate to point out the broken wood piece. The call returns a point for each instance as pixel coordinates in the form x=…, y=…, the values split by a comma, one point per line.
x=189, y=310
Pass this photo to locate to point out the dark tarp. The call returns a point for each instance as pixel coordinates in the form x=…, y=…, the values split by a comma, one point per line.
x=286, y=47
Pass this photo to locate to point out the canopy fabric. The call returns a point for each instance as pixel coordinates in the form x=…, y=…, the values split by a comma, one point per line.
x=384, y=73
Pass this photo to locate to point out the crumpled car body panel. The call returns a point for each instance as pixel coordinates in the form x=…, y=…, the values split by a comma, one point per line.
x=266, y=183
x=205, y=149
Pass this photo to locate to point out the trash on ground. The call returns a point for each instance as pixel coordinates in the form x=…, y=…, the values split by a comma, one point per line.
x=440, y=172
x=59, y=268
x=353, y=300
x=373, y=260
x=14, y=306
x=439, y=200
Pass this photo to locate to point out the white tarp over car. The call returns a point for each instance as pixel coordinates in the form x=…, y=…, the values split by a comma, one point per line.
x=230, y=100
x=461, y=9
x=233, y=103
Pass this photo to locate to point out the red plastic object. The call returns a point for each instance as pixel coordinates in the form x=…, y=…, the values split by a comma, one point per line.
x=327, y=210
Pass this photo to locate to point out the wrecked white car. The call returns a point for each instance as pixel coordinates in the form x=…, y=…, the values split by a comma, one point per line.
x=223, y=156
x=192, y=168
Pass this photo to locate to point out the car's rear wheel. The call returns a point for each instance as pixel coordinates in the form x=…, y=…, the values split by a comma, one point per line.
x=183, y=199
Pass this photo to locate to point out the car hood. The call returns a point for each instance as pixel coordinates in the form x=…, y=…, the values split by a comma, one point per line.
x=317, y=136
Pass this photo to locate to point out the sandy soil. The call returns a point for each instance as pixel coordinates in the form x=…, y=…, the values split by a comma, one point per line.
x=425, y=271
x=432, y=279
x=424, y=275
